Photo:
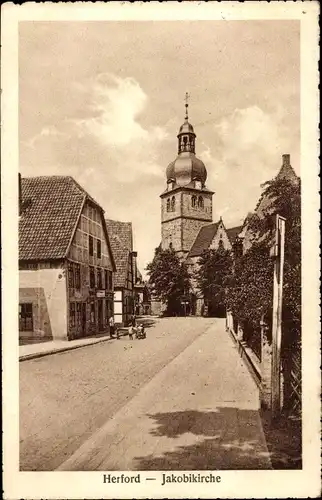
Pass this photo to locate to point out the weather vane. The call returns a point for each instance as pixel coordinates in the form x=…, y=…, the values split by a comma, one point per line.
x=187, y=104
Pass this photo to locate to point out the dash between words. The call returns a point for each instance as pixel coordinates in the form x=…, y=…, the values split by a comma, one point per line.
x=166, y=478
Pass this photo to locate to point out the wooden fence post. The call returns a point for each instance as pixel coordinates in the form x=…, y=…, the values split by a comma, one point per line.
x=266, y=367
x=278, y=255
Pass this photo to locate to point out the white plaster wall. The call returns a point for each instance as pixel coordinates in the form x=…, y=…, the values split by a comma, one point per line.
x=53, y=282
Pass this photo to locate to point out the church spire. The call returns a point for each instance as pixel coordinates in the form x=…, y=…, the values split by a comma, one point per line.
x=186, y=136
x=186, y=106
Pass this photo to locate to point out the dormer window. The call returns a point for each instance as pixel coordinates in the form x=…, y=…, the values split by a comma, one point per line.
x=171, y=185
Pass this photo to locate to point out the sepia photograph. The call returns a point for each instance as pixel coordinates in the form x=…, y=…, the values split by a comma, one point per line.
x=160, y=208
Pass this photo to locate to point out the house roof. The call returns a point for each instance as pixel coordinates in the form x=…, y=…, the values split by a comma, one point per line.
x=51, y=207
x=203, y=239
x=120, y=234
x=233, y=232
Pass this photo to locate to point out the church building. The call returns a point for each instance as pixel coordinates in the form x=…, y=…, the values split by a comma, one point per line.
x=186, y=204
x=187, y=209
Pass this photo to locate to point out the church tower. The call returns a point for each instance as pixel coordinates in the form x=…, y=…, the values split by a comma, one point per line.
x=186, y=204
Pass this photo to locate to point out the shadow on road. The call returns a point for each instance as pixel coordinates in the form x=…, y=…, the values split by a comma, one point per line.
x=228, y=438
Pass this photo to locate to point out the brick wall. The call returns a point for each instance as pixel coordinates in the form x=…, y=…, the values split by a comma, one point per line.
x=171, y=232
x=182, y=223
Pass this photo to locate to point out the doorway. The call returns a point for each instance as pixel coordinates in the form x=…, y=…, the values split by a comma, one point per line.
x=100, y=316
x=84, y=319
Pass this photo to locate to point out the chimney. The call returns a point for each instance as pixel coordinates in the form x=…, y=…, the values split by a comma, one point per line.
x=19, y=190
x=286, y=160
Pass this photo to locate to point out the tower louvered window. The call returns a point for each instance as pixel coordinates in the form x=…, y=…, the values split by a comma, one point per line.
x=200, y=202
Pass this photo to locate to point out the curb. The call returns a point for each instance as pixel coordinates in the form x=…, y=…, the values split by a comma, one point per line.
x=36, y=355
x=252, y=368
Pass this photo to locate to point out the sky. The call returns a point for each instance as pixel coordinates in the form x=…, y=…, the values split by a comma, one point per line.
x=103, y=102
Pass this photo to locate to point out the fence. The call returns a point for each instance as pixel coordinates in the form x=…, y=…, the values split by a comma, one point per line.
x=254, y=346
x=292, y=380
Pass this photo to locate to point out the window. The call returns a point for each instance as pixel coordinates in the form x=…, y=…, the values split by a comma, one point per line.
x=77, y=276
x=99, y=279
x=91, y=277
x=110, y=280
x=99, y=249
x=71, y=281
x=200, y=202
x=168, y=205
x=91, y=245
x=105, y=279
x=25, y=317
x=72, y=318
x=193, y=201
x=79, y=313
x=173, y=204
x=221, y=245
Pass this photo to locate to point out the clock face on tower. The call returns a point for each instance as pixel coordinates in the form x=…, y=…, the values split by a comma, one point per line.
x=198, y=184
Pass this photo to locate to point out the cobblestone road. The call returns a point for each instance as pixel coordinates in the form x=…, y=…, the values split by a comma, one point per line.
x=65, y=398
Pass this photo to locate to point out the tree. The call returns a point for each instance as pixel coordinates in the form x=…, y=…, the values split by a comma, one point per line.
x=250, y=291
x=213, y=277
x=169, y=279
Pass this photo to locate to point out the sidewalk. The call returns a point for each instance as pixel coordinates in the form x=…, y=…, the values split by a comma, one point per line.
x=31, y=351
x=199, y=412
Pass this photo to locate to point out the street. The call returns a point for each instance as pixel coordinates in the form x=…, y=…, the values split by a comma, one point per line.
x=181, y=399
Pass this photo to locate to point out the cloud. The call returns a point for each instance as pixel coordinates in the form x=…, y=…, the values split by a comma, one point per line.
x=106, y=134
x=117, y=104
x=50, y=131
x=248, y=150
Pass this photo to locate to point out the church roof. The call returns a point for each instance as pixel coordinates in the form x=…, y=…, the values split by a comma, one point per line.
x=51, y=208
x=203, y=240
x=185, y=168
x=120, y=234
x=186, y=128
x=233, y=232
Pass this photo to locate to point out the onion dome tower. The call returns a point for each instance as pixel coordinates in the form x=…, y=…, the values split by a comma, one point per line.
x=186, y=204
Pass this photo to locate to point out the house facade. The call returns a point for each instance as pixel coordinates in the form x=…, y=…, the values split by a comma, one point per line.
x=265, y=203
x=66, y=265
x=142, y=296
x=121, y=237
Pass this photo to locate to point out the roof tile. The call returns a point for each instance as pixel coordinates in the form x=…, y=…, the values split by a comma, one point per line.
x=203, y=240
x=50, y=210
x=121, y=239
